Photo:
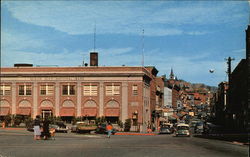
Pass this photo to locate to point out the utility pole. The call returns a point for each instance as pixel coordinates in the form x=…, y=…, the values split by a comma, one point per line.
x=229, y=59
x=228, y=96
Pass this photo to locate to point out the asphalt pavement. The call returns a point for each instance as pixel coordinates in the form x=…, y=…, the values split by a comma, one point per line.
x=20, y=143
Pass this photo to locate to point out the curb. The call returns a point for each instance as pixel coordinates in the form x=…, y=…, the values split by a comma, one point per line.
x=140, y=134
x=12, y=128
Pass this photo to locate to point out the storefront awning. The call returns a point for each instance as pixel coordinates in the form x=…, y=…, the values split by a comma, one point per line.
x=67, y=111
x=4, y=111
x=92, y=112
x=24, y=111
x=162, y=119
x=112, y=112
x=171, y=118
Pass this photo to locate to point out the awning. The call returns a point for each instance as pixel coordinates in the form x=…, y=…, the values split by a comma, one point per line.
x=171, y=118
x=24, y=111
x=89, y=112
x=4, y=111
x=114, y=112
x=162, y=119
x=67, y=111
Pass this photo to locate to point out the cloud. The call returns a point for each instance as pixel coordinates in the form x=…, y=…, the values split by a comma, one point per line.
x=122, y=17
x=108, y=57
x=17, y=41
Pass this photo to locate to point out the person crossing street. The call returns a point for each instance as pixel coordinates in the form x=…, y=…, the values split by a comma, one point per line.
x=109, y=128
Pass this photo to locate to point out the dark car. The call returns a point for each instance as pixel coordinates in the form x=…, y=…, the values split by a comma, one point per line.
x=60, y=127
x=30, y=127
x=101, y=129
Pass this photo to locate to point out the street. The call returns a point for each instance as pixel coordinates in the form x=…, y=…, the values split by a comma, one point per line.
x=20, y=143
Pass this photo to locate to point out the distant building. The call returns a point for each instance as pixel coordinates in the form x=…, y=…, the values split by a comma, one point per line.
x=167, y=97
x=221, y=103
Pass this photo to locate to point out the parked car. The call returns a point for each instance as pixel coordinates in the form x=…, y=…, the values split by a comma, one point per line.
x=84, y=126
x=30, y=127
x=199, y=127
x=166, y=129
x=60, y=127
x=182, y=130
x=101, y=129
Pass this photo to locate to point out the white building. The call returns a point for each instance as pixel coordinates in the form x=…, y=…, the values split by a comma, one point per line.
x=167, y=97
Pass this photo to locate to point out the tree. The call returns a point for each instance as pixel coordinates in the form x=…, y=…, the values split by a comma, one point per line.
x=127, y=125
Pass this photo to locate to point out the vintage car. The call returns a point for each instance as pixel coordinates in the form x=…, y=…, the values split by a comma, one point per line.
x=182, y=130
x=60, y=127
x=166, y=128
x=84, y=127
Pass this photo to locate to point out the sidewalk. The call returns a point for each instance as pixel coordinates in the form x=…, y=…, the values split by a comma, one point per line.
x=241, y=139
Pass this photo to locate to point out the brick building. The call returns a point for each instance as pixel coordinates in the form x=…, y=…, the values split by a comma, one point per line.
x=118, y=93
x=238, y=105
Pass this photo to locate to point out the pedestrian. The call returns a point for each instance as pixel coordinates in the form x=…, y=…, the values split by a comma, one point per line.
x=46, y=132
x=3, y=125
x=109, y=129
x=37, y=125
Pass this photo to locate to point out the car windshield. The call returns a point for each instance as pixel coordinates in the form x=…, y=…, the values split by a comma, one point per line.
x=167, y=127
x=182, y=127
x=199, y=124
x=60, y=124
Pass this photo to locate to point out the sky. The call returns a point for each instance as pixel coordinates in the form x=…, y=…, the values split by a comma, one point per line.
x=191, y=37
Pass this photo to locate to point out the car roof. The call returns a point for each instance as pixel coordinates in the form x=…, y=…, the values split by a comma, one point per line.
x=183, y=125
x=80, y=122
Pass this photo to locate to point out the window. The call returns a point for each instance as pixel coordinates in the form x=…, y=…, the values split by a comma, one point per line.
x=134, y=90
x=112, y=90
x=46, y=89
x=90, y=90
x=5, y=90
x=24, y=90
x=68, y=89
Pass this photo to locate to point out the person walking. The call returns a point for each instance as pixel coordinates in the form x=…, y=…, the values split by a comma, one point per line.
x=109, y=128
x=37, y=125
x=46, y=132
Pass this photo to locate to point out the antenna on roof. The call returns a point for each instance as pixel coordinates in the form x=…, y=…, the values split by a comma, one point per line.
x=94, y=36
x=82, y=59
x=142, y=60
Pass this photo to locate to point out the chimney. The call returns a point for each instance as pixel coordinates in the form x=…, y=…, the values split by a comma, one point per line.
x=93, y=59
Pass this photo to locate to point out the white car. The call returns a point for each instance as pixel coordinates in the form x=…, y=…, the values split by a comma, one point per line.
x=182, y=130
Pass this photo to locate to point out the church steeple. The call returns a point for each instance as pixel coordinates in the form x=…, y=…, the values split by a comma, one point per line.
x=171, y=76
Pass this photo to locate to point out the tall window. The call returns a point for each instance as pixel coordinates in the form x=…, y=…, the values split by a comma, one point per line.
x=112, y=90
x=46, y=89
x=5, y=90
x=24, y=90
x=68, y=89
x=135, y=90
x=90, y=90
